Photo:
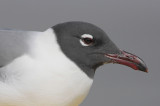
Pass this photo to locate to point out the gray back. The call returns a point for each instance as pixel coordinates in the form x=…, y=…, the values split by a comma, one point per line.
x=12, y=44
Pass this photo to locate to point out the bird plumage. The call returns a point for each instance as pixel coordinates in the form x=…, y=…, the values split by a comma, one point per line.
x=55, y=67
x=42, y=75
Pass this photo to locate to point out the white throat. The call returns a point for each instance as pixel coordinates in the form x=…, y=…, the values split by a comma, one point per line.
x=45, y=76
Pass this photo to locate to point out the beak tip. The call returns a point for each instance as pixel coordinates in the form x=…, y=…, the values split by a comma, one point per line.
x=146, y=70
x=142, y=67
x=129, y=60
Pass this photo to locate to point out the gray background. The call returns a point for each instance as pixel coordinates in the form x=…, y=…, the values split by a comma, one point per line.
x=134, y=25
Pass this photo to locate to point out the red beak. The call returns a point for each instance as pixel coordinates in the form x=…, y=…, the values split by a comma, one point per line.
x=129, y=60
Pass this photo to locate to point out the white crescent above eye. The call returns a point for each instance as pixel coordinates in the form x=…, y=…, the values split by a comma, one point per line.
x=85, y=36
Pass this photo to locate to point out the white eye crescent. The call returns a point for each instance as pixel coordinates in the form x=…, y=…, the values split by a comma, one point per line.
x=86, y=40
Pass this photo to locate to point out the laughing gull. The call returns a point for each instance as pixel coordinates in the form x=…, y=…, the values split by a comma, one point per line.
x=55, y=67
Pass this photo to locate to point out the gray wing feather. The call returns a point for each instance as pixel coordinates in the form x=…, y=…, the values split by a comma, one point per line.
x=12, y=45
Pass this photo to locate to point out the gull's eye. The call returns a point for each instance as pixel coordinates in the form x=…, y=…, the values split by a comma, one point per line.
x=86, y=40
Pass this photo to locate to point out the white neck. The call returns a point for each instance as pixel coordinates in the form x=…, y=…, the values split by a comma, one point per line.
x=47, y=77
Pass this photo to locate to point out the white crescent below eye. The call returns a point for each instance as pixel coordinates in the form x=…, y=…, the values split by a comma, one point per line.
x=85, y=36
x=82, y=43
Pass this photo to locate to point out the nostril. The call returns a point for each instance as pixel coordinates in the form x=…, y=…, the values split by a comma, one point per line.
x=131, y=58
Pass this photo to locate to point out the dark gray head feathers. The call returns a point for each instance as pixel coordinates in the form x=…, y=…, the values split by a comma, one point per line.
x=88, y=58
